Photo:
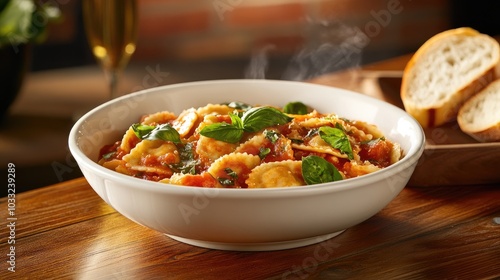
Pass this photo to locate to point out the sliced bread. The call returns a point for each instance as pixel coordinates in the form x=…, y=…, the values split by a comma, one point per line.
x=480, y=115
x=447, y=70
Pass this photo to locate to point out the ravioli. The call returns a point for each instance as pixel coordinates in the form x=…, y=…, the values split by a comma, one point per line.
x=221, y=146
x=276, y=174
x=186, y=121
x=232, y=170
x=152, y=156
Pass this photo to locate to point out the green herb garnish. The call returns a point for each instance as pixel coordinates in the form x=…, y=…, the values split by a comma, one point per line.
x=256, y=119
x=141, y=130
x=188, y=163
x=337, y=138
x=263, y=152
x=317, y=170
x=163, y=132
x=272, y=135
x=297, y=108
x=252, y=120
x=223, y=132
x=228, y=181
x=238, y=105
x=230, y=172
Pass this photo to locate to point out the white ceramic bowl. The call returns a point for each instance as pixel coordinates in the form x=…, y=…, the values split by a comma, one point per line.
x=245, y=219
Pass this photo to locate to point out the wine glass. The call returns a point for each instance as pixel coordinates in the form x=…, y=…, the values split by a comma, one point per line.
x=111, y=29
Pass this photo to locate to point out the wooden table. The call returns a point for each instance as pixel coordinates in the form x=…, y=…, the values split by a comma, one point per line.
x=66, y=231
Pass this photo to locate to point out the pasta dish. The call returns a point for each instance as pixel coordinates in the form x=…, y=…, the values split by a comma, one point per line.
x=236, y=145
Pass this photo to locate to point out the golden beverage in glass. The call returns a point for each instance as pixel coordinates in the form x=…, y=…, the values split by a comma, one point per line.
x=111, y=29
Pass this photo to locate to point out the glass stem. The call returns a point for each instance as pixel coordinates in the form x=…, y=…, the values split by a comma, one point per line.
x=113, y=83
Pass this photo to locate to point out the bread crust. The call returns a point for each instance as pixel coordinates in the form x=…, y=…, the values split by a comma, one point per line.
x=483, y=133
x=447, y=111
x=491, y=134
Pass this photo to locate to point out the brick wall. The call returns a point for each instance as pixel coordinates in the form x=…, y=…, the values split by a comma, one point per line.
x=197, y=30
x=205, y=29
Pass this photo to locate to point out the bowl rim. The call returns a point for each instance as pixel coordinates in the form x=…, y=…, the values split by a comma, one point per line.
x=411, y=156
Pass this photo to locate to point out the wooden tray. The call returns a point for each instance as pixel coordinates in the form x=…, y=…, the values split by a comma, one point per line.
x=451, y=157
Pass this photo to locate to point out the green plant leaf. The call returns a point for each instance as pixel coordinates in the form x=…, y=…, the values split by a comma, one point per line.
x=163, y=132
x=15, y=21
x=188, y=163
x=252, y=120
x=317, y=170
x=336, y=138
x=23, y=21
x=259, y=118
x=236, y=120
x=297, y=108
x=238, y=105
x=142, y=130
x=223, y=132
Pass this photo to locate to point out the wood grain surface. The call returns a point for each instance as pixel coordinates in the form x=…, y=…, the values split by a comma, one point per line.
x=66, y=231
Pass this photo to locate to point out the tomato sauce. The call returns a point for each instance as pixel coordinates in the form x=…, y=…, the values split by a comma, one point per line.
x=200, y=180
x=236, y=180
x=274, y=144
x=377, y=152
x=280, y=151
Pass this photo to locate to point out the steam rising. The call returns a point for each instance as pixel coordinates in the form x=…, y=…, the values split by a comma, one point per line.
x=333, y=46
x=258, y=64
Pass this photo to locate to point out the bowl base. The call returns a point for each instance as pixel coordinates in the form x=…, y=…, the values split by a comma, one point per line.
x=264, y=246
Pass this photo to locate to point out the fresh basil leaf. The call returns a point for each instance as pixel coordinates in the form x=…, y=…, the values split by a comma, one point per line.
x=337, y=138
x=142, y=130
x=238, y=105
x=188, y=163
x=339, y=126
x=236, y=120
x=252, y=120
x=256, y=119
x=317, y=170
x=297, y=108
x=164, y=132
x=223, y=132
